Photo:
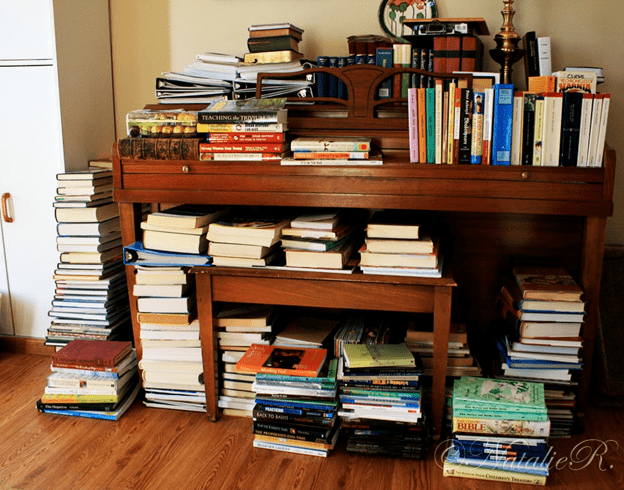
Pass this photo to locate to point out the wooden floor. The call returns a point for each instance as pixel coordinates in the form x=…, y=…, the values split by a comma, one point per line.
x=156, y=449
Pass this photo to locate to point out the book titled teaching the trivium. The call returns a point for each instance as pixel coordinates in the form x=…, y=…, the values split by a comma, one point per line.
x=244, y=110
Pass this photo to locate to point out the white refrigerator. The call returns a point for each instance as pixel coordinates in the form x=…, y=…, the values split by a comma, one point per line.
x=54, y=63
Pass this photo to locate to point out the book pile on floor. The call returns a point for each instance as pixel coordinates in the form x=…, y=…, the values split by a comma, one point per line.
x=324, y=240
x=238, y=326
x=171, y=362
x=541, y=339
x=92, y=379
x=500, y=431
x=338, y=150
x=244, y=130
x=381, y=400
x=396, y=244
x=246, y=239
x=90, y=300
x=295, y=398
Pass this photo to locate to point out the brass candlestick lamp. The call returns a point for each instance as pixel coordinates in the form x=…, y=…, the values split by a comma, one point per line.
x=507, y=52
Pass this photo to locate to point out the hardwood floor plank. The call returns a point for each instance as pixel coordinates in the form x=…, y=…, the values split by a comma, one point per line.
x=156, y=449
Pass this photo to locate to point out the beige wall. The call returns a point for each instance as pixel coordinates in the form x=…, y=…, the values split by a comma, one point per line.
x=151, y=36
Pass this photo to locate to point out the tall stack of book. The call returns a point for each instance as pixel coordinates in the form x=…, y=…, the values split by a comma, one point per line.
x=500, y=431
x=321, y=240
x=381, y=400
x=245, y=130
x=541, y=339
x=90, y=298
x=295, y=398
x=246, y=239
x=238, y=326
x=332, y=151
x=92, y=379
x=397, y=244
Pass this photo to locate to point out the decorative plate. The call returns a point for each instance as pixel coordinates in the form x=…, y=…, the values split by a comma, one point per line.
x=392, y=13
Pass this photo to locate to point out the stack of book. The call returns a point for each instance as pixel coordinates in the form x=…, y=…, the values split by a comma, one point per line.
x=238, y=326
x=93, y=379
x=396, y=244
x=352, y=150
x=321, y=240
x=245, y=130
x=460, y=362
x=171, y=365
x=541, y=338
x=90, y=298
x=246, y=240
x=500, y=431
x=381, y=400
x=295, y=399
x=180, y=229
x=273, y=43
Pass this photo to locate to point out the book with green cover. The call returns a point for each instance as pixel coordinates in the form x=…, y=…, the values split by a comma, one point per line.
x=378, y=355
x=498, y=393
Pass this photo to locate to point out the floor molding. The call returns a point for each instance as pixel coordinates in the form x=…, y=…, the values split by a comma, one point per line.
x=25, y=345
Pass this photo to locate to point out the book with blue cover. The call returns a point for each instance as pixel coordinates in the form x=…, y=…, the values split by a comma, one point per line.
x=502, y=124
x=136, y=254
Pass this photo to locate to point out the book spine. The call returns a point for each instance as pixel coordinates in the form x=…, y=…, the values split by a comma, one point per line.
x=595, y=129
x=82, y=413
x=528, y=128
x=332, y=87
x=311, y=434
x=338, y=155
x=471, y=53
x=422, y=125
x=502, y=127
x=544, y=55
x=250, y=157
x=237, y=118
x=406, y=59
x=289, y=449
x=439, y=109
x=439, y=53
x=241, y=128
x=520, y=428
x=412, y=110
x=330, y=146
x=281, y=416
x=430, y=111
x=538, y=130
x=604, y=116
x=570, y=129
x=476, y=151
x=241, y=148
x=397, y=62
x=415, y=81
x=322, y=78
x=488, y=115
x=551, y=135
x=477, y=472
x=465, y=136
x=244, y=138
x=531, y=61
x=450, y=144
x=384, y=58
x=159, y=148
x=516, y=131
x=585, y=129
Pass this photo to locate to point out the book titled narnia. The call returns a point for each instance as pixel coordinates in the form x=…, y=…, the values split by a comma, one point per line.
x=272, y=359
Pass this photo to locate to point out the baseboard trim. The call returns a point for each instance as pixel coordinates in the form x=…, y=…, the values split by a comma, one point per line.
x=25, y=345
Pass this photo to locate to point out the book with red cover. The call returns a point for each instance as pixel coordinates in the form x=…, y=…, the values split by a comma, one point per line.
x=96, y=353
x=243, y=147
x=273, y=359
x=245, y=138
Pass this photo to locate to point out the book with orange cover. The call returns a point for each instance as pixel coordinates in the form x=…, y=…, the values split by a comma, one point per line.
x=272, y=359
x=106, y=353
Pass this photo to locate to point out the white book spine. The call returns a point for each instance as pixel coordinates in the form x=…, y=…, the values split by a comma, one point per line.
x=516, y=128
x=602, y=134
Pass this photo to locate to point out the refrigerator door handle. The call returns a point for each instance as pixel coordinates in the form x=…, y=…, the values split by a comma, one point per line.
x=5, y=208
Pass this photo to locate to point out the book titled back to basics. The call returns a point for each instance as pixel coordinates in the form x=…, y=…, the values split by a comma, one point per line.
x=245, y=110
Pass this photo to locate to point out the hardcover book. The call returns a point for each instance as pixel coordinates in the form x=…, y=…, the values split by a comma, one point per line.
x=282, y=360
x=377, y=355
x=244, y=111
x=99, y=353
x=186, y=216
x=547, y=283
x=240, y=225
x=340, y=144
x=502, y=124
x=499, y=392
